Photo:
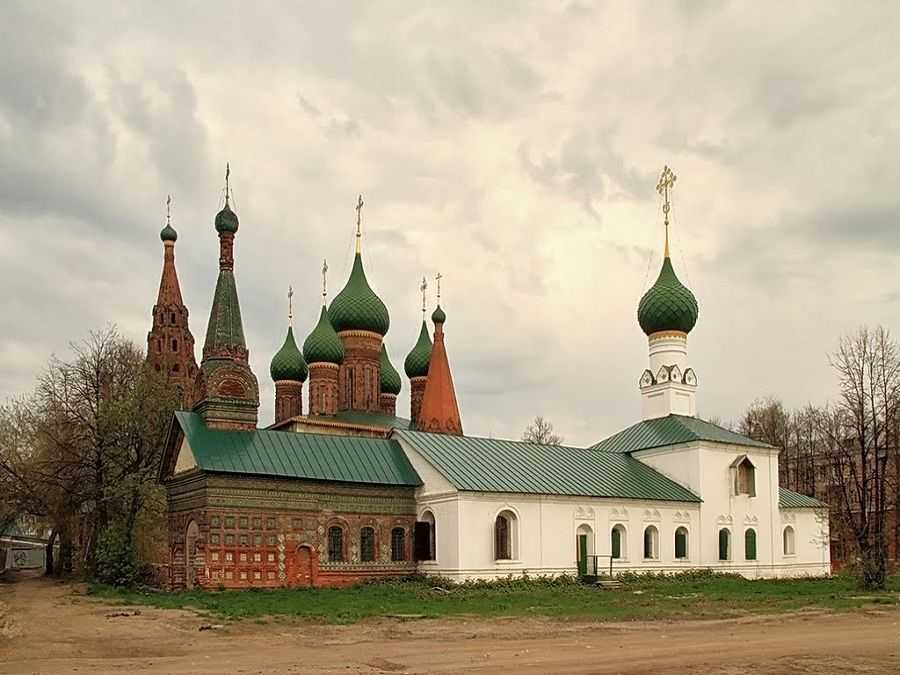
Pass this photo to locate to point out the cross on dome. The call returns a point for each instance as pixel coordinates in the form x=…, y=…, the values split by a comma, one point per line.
x=666, y=182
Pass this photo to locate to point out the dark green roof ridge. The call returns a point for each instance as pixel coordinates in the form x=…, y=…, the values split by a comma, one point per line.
x=288, y=363
x=390, y=378
x=323, y=345
x=357, y=307
x=416, y=363
x=668, y=304
x=671, y=430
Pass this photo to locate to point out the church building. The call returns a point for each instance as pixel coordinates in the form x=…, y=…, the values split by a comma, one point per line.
x=340, y=488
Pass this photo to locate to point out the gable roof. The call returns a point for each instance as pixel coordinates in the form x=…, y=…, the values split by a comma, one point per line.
x=788, y=499
x=498, y=465
x=285, y=454
x=671, y=430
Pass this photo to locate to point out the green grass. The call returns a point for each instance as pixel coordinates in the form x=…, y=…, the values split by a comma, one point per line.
x=645, y=597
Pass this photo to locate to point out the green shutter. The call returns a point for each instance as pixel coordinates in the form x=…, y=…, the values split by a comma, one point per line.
x=680, y=544
x=750, y=544
x=616, y=544
x=723, y=544
x=582, y=554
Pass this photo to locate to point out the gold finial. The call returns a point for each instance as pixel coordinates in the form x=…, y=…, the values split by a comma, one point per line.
x=438, y=278
x=324, y=280
x=290, y=305
x=666, y=182
x=227, y=176
x=359, y=205
x=169, y=211
x=423, y=288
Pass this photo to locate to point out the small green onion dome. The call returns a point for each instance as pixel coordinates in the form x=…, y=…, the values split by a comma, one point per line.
x=168, y=233
x=323, y=345
x=226, y=220
x=416, y=364
x=668, y=305
x=438, y=315
x=357, y=307
x=288, y=362
x=390, y=378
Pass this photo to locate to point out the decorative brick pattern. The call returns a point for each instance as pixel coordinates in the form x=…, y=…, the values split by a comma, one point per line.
x=359, y=376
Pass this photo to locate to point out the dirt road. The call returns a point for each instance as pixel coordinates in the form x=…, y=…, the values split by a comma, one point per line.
x=46, y=627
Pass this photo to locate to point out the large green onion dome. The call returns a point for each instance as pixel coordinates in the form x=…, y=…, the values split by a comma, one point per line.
x=288, y=362
x=668, y=305
x=390, y=378
x=323, y=345
x=357, y=307
x=416, y=364
x=226, y=220
x=168, y=233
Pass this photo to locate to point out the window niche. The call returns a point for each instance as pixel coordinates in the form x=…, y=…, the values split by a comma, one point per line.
x=617, y=541
x=744, y=476
x=788, y=541
x=505, y=536
x=681, y=543
x=651, y=543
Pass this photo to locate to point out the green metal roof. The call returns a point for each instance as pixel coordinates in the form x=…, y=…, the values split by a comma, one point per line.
x=390, y=378
x=323, y=345
x=788, y=499
x=357, y=307
x=288, y=363
x=225, y=328
x=668, y=305
x=497, y=465
x=372, y=419
x=671, y=430
x=416, y=364
x=346, y=459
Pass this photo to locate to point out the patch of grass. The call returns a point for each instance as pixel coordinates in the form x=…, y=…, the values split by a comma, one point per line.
x=694, y=595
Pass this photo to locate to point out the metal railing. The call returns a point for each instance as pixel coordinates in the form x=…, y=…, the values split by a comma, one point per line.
x=593, y=568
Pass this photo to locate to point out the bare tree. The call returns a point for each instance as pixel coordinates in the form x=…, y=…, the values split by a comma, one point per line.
x=540, y=431
x=860, y=432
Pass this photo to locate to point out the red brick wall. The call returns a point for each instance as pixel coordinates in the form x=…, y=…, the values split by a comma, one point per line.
x=359, y=377
x=323, y=389
x=288, y=399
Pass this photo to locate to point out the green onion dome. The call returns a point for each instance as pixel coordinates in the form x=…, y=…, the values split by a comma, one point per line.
x=390, y=378
x=357, y=307
x=168, y=233
x=416, y=364
x=438, y=315
x=226, y=220
x=668, y=305
x=288, y=362
x=323, y=345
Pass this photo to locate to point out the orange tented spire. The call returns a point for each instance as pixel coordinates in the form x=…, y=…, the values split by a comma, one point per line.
x=439, y=412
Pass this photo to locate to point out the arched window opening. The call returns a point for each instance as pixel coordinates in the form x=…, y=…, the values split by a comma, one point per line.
x=174, y=345
x=744, y=476
x=425, y=540
x=398, y=544
x=617, y=542
x=584, y=549
x=724, y=544
x=789, y=541
x=173, y=318
x=335, y=544
x=367, y=544
x=750, y=544
x=681, y=543
x=651, y=543
x=505, y=536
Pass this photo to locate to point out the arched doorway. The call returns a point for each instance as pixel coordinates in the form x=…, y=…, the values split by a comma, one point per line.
x=584, y=541
x=305, y=559
x=191, y=538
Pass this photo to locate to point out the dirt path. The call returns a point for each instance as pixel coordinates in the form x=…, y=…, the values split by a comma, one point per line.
x=47, y=628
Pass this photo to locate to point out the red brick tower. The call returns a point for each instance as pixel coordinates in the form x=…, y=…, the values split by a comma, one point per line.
x=228, y=389
x=170, y=345
x=324, y=352
x=439, y=412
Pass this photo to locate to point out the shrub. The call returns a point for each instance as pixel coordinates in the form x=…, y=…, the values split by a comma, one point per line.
x=115, y=562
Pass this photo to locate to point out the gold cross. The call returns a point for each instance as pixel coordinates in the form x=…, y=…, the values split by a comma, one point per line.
x=423, y=288
x=438, y=278
x=324, y=279
x=290, y=304
x=666, y=182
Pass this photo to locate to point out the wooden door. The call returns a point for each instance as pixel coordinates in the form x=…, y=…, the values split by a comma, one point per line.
x=582, y=554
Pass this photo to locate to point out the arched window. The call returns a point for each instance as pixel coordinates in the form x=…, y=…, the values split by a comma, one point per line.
x=367, y=544
x=505, y=536
x=681, y=543
x=335, y=544
x=398, y=544
x=724, y=544
x=651, y=543
x=788, y=537
x=174, y=345
x=750, y=544
x=426, y=537
x=617, y=542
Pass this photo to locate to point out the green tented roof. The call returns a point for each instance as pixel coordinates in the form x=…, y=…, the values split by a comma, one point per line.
x=788, y=499
x=285, y=454
x=372, y=419
x=225, y=328
x=671, y=430
x=497, y=465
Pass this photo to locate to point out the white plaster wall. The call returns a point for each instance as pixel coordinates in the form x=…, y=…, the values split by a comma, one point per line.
x=681, y=463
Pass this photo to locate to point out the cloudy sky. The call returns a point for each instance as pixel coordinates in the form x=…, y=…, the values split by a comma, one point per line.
x=512, y=146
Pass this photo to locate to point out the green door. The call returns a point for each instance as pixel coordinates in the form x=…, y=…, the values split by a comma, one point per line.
x=582, y=555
